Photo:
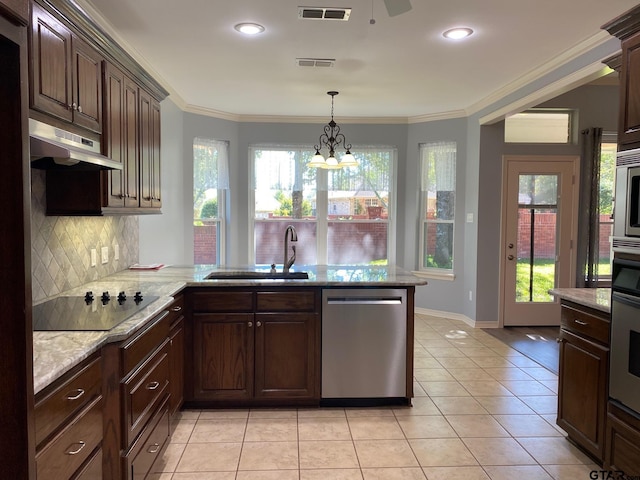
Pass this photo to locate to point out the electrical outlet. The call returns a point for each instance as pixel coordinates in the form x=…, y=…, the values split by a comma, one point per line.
x=105, y=254
x=116, y=252
x=94, y=257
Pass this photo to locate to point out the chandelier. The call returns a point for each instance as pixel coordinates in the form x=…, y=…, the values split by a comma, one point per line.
x=332, y=138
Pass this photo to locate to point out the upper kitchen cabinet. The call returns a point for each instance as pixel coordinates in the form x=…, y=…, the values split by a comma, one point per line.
x=66, y=73
x=16, y=10
x=149, y=151
x=81, y=77
x=627, y=28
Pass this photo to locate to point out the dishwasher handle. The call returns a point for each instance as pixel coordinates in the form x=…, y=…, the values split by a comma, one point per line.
x=364, y=300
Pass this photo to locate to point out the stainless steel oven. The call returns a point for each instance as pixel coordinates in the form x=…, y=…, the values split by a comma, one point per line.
x=624, y=365
x=632, y=224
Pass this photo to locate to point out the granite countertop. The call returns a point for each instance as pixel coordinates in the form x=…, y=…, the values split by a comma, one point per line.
x=54, y=353
x=597, y=298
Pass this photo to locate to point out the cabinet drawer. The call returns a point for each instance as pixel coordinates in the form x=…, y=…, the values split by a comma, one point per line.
x=72, y=447
x=301, y=301
x=149, y=446
x=140, y=347
x=176, y=309
x=586, y=324
x=222, y=301
x=75, y=391
x=93, y=469
x=144, y=390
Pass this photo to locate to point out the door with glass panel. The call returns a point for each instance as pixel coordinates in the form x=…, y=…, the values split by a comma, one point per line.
x=539, y=211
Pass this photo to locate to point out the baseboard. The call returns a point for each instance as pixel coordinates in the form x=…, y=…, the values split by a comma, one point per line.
x=456, y=316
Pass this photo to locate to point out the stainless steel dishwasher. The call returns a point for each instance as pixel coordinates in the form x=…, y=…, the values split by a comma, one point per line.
x=364, y=346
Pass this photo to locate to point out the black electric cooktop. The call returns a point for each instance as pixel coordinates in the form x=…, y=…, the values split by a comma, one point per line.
x=87, y=313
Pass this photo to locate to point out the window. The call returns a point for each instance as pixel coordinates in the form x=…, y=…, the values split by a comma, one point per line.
x=438, y=163
x=210, y=179
x=606, y=195
x=341, y=216
x=539, y=126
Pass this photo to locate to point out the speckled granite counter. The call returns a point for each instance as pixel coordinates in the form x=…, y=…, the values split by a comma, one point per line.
x=597, y=298
x=57, y=352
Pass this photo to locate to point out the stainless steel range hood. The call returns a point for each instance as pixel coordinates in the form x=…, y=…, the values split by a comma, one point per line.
x=53, y=147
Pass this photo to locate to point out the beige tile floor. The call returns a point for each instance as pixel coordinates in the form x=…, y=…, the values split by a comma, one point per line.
x=481, y=411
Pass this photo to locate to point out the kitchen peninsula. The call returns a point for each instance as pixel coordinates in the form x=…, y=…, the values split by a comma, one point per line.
x=229, y=342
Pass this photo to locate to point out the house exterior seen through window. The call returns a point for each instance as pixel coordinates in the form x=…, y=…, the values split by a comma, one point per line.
x=342, y=217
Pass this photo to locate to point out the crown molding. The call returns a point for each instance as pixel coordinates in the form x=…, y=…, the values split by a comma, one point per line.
x=625, y=25
x=540, y=71
x=549, y=91
x=431, y=117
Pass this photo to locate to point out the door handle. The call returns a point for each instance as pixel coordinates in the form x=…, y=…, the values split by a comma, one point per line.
x=510, y=257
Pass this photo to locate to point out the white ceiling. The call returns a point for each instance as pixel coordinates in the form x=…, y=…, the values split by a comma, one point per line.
x=398, y=67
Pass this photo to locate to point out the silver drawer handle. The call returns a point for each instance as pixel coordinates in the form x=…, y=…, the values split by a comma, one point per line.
x=79, y=393
x=153, y=385
x=77, y=451
x=580, y=322
x=176, y=309
x=154, y=448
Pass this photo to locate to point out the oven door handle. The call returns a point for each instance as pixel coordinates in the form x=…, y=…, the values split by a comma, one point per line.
x=625, y=298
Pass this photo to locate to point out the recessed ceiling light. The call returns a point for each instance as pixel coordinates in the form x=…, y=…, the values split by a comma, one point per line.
x=249, y=28
x=457, y=33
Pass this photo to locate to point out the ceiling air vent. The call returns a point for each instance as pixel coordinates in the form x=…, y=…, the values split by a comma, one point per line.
x=315, y=62
x=324, y=13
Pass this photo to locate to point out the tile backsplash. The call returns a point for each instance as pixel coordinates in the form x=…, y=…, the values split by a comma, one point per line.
x=61, y=246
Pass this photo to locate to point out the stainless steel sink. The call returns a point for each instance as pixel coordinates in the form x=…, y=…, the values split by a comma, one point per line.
x=249, y=275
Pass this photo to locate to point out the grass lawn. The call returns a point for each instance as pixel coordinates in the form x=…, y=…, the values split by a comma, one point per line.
x=543, y=279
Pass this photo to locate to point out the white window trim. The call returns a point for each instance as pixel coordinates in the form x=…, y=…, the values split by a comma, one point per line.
x=322, y=207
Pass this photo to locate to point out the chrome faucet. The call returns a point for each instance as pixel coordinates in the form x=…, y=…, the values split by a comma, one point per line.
x=289, y=235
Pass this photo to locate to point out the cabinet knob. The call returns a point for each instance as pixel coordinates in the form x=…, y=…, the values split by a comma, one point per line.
x=250, y=324
x=80, y=108
x=510, y=257
x=176, y=309
x=258, y=324
x=153, y=386
x=74, y=106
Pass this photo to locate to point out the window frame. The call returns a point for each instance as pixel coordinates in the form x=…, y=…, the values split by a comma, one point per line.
x=322, y=201
x=221, y=196
x=572, y=126
x=433, y=272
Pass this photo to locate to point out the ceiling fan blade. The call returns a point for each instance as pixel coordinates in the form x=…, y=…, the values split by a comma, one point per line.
x=397, y=7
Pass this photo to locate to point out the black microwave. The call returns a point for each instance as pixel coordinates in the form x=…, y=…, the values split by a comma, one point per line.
x=632, y=224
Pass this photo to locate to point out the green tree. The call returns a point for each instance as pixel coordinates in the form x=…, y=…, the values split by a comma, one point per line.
x=607, y=179
x=209, y=209
x=286, y=206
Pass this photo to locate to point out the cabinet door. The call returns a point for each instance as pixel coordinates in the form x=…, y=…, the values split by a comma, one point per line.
x=149, y=151
x=51, y=65
x=87, y=86
x=583, y=391
x=120, y=137
x=223, y=356
x=629, y=117
x=176, y=365
x=285, y=355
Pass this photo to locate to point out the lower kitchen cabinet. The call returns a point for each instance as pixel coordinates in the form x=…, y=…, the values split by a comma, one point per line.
x=623, y=441
x=136, y=385
x=176, y=354
x=583, y=378
x=68, y=421
x=263, y=352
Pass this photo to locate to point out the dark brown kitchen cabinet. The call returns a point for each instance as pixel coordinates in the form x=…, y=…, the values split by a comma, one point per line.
x=583, y=380
x=121, y=138
x=69, y=421
x=16, y=9
x=623, y=441
x=137, y=392
x=149, y=151
x=254, y=347
x=66, y=73
x=176, y=354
